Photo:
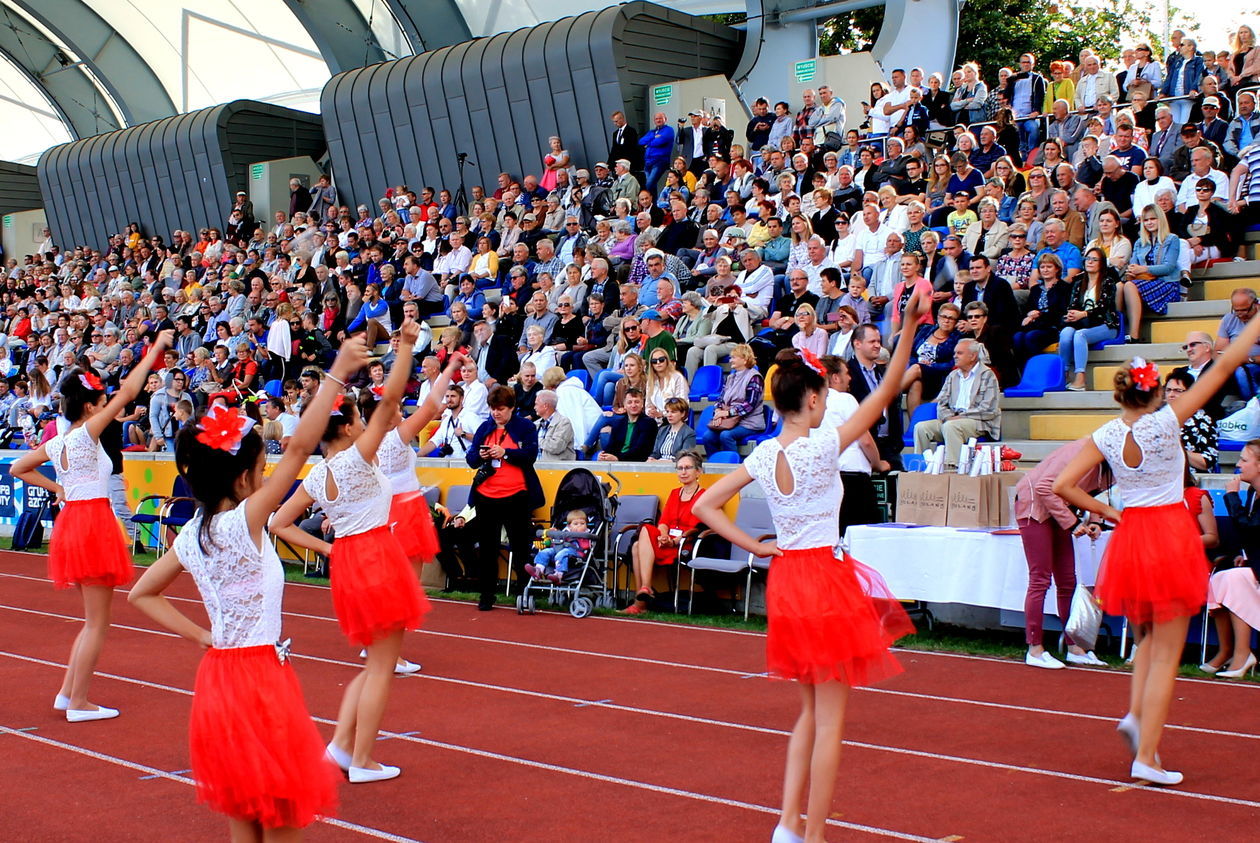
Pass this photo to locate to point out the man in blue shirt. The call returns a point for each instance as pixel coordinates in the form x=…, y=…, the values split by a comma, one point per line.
x=658, y=144
x=1056, y=243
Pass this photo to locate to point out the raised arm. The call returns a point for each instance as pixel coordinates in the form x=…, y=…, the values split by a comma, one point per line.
x=1214, y=377
x=352, y=357
x=386, y=417
x=411, y=426
x=890, y=387
x=130, y=387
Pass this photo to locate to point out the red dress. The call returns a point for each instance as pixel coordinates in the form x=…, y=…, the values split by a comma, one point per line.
x=677, y=516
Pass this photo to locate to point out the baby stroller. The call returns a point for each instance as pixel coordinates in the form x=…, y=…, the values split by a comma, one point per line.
x=585, y=585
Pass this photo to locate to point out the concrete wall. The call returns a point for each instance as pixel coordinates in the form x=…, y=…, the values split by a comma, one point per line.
x=22, y=232
x=850, y=77
x=268, y=185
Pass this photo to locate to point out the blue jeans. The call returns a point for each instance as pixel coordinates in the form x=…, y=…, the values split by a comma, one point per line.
x=1074, y=345
x=1029, y=136
x=655, y=172
x=557, y=558
x=725, y=440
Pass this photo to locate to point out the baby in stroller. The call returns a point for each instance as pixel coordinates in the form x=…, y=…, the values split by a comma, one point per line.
x=552, y=563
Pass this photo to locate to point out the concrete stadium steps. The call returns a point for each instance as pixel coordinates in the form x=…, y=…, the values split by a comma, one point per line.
x=1217, y=282
x=1174, y=330
x=1064, y=427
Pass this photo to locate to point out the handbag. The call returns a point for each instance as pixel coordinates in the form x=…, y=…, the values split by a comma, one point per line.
x=724, y=423
x=1084, y=619
x=484, y=472
x=833, y=142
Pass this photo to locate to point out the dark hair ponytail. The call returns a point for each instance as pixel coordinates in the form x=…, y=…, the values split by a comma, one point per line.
x=212, y=473
x=76, y=395
x=793, y=380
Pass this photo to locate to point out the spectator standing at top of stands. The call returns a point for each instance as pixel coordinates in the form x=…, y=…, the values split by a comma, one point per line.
x=1028, y=93
x=625, y=142
x=323, y=198
x=1092, y=84
x=829, y=116
x=658, y=144
x=1185, y=74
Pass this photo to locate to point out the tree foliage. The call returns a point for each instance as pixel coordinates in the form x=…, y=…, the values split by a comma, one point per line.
x=993, y=33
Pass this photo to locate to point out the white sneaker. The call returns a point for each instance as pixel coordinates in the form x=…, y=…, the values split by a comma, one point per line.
x=84, y=716
x=1086, y=658
x=406, y=668
x=1044, y=660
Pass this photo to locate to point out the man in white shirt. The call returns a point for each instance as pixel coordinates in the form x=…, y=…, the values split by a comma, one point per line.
x=455, y=429
x=288, y=421
x=430, y=368
x=884, y=274
x=872, y=237
x=1093, y=84
x=889, y=107
x=1201, y=168
x=819, y=259
x=856, y=461
x=756, y=283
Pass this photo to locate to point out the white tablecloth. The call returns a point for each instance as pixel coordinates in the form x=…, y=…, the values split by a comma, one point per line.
x=949, y=565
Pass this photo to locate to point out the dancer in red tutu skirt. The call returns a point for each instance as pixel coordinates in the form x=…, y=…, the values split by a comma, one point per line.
x=409, y=515
x=256, y=754
x=1154, y=570
x=831, y=619
x=376, y=594
x=88, y=548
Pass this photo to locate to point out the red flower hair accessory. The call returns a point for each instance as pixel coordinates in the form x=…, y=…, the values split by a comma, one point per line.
x=91, y=381
x=223, y=429
x=337, y=404
x=811, y=360
x=377, y=390
x=1145, y=375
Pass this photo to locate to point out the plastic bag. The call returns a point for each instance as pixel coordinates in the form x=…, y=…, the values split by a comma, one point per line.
x=1084, y=619
x=1243, y=425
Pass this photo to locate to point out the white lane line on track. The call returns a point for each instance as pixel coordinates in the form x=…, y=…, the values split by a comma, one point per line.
x=154, y=773
x=909, y=651
x=680, y=665
x=481, y=753
x=955, y=759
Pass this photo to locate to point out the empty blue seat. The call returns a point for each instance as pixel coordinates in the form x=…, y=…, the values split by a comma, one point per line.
x=582, y=375
x=773, y=426
x=921, y=413
x=728, y=457
x=707, y=384
x=1042, y=373
x=274, y=388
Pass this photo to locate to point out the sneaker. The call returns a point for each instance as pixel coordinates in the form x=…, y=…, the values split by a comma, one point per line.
x=1009, y=453
x=406, y=668
x=1086, y=658
x=1044, y=660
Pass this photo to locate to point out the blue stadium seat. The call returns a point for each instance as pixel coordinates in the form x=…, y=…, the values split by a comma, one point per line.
x=707, y=384
x=1118, y=339
x=702, y=423
x=728, y=457
x=921, y=413
x=582, y=375
x=274, y=388
x=774, y=424
x=608, y=390
x=1042, y=373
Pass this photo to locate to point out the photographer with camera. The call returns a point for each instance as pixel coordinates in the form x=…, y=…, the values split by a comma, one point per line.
x=455, y=428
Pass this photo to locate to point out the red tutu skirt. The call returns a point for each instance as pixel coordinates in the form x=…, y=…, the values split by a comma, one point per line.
x=256, y=754
x=830, y=619
x=1154, y=568
x=412, y=523
x=88, y=546
x=374, y=586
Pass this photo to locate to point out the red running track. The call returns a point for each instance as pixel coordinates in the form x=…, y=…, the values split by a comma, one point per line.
x=550, y=728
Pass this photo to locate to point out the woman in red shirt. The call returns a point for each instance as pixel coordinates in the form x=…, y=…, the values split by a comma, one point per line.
x=658, y=543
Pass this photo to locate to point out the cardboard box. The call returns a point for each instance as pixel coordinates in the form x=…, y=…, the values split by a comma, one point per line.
x=923, y=498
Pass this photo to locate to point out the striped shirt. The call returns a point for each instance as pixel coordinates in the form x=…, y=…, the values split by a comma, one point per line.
x=1251, y=157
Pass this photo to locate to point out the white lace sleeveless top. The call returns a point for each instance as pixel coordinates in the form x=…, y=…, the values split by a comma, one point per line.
x=809, y=516
x=242, y=586
x=397, y=460
x=1158, y=478
x=363, y=492
x=85, y=474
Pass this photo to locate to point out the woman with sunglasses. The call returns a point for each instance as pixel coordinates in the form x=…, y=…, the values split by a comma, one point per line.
x=932, y=357
x=1039, y=192
x=1205, y=226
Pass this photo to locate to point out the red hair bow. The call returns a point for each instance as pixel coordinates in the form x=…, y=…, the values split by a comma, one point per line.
x=1145, y=375
x=223, y=429
x=91, y=381
x=337, y=404
x=811, y=360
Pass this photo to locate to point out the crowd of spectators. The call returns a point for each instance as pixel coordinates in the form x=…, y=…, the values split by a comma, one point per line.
x=1032, y=210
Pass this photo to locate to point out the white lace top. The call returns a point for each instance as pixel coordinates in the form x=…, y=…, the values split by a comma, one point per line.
x=397, y=460
x=1158, y=478
x=242, y=586
x=809, y=516
x=363, y=492
x=86, y=469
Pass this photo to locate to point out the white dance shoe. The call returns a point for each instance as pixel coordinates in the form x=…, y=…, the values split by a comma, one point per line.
x=363, y=775
x=338, y=756
x=85, y=716
x=1150, y=774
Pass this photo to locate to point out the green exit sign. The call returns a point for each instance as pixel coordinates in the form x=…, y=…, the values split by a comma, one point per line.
x=256, y=171
x=8, y=220
x=662, y=94
x=805, y=71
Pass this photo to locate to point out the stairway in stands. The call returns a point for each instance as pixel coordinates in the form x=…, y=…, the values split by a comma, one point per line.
x=1036, y=426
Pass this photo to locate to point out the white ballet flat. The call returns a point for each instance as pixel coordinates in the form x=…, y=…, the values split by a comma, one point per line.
x=338, y=756
x=1150, y=774
x=406, y=668
x=61, y=702
x=783, y=834
x=363, y=775
x=1129, y=729
x=101, y=713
